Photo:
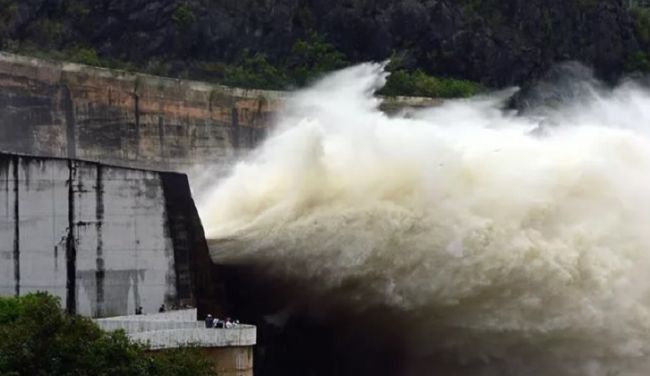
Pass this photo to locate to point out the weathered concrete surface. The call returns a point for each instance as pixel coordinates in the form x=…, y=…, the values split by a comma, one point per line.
x=67, y=110
x=137, y=326
x=179, y=315
x=104, y=239
x=243, y=335
x=177, y=319
x=70, y=110
x=231, y=361
x=178, y=328
x=231, y=350
x=136, y=120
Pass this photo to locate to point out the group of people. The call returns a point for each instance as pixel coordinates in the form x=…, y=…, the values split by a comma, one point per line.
x=213, y=322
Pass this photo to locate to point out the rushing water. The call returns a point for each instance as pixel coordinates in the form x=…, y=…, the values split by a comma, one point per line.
x=508, y=244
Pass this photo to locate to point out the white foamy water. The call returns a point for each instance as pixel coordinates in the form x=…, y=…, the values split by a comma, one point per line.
x=510, y=249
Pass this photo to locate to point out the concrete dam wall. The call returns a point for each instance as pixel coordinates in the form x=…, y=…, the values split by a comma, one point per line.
x=108, y=239
x=75, y=111
x=104, y=239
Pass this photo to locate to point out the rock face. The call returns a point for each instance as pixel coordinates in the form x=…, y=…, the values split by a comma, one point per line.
x=497, y=42
x=106, y=240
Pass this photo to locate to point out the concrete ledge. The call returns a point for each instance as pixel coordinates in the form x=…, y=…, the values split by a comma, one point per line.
x=180, y=315
x=244, y=335
x=54, y=71
x=174, y=329
x=137, y=326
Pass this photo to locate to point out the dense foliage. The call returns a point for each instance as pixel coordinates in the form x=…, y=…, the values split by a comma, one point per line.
x=38, y=338
x=310, y=59
x=447, y=46
x=420, y=84
x=640, y=60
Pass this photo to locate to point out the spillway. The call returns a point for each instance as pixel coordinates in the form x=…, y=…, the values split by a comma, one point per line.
x=462, y=238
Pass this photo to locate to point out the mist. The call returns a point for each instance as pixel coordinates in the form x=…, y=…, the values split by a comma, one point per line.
x=504, y=242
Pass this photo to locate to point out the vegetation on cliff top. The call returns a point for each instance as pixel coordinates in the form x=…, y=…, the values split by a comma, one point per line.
x=310, y=59
x=37, y=338
x=640, y=60
x=447, y=47
x=313, y=57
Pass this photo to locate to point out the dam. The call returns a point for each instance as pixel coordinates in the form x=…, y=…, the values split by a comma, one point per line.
x=96, y=206
x=461, y=239
x=57, y=109
x=68, y=110
x=99, y=210
x=104, y=239
x=95, y=163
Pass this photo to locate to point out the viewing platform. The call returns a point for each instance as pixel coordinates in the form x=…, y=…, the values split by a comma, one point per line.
x=230, y=349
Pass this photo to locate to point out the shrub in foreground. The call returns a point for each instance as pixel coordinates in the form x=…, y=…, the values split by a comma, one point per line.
x=38, y=338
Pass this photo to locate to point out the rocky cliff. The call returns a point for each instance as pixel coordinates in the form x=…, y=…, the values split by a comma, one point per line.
x=496, y=42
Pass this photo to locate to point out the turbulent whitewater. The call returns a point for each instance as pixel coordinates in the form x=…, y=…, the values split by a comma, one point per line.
x=510, y=244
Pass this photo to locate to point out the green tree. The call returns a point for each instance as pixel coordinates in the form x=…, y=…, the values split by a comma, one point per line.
x=255, y=72
x=183, y=17
x=417, y=83
x=86, y=56
x=312, y=57
x=641, y=17
x=38, y=338
x=640, y=60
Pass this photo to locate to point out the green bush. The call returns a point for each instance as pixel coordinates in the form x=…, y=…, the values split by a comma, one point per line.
x=38, y=338
x=9, y=310
x=419, y=84
x=640, y=60
x=183, y=17
x=254, y=72
x=86, y=56
x=312, y=57
x=641, y=17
